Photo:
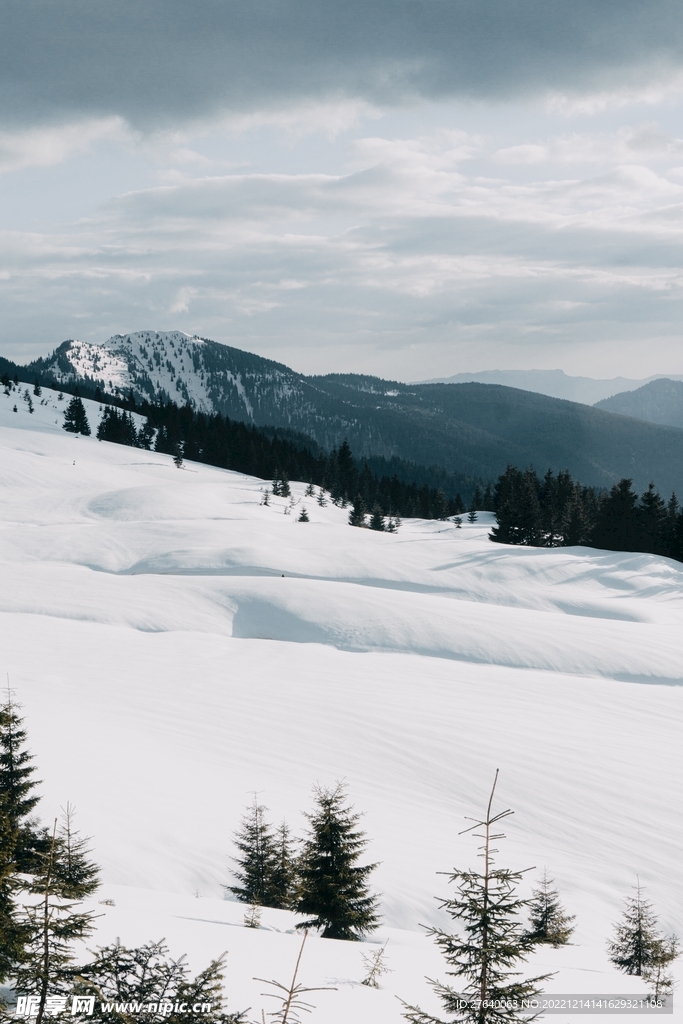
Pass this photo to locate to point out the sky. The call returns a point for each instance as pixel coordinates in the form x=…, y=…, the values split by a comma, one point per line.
x=410, y=188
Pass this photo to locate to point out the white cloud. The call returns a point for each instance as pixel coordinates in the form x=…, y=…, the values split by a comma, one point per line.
x=53, y=144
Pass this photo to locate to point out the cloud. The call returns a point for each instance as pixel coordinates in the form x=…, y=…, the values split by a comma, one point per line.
x=46, y=146
x=643, y=141
x=410, y=249
x=159, y=65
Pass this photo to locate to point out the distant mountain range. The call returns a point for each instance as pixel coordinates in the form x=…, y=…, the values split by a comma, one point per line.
x=660, y=401
x=555, y=383
x=469, y=428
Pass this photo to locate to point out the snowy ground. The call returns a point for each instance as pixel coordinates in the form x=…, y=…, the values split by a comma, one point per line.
x=178, y=646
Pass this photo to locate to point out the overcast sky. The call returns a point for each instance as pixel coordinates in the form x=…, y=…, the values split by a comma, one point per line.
x=411, y=188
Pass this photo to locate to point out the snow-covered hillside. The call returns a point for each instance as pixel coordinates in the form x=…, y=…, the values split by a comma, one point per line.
x=177, y=646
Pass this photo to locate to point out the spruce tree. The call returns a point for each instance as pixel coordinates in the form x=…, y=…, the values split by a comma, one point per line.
x=159, y=985
x=440, y=506
x=75, y=419
x=472, y=516
x=76, y=876
x=11, y=933
x=17, y=786
x=618, y=525
x=333, y=887
x=653, y=517
x=357, y=513
x=484, y=959
x=283, y=872
x=303, y=516
x=54, y=922
x=377, y=518
x=638, y=946
x=258, y=855
x=548, y=922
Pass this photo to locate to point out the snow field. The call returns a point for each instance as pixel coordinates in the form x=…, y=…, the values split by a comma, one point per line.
x=168, y=671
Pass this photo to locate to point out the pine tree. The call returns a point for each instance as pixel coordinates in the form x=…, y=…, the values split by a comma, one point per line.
x=11, y=933
x=283, y=873
x=321, y=499
x=653, y=514
x=618, y=527
x=440, y=506
x=75, y=419
x=357, y=513
x=472, y=516
x=146, y=436
x=159, y=985
x=458, y=505
x=17, y=785
x=310, y=490
x=37, y=390
x=54, y=923
x=303, y=516
x=638, y=946
x=494, y=943
x=333, y=887
x=179, y=454
x=548, y=921
x=118, y=427
x=258, y=855
x=76, y=876
x=377, y=518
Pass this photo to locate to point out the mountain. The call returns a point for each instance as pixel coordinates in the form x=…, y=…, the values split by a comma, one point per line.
x=554, y=383
x=660, y=401
x=472, y=428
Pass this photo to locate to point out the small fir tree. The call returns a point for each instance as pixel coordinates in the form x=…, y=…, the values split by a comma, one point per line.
x=283, y=872
x=458, y=522
x=472, y=516
x=75, y=419
x=53, y=924
x=303, y=516
x=357, y=513
x=439, y=509
x=289, y=996
x=375, y=966
x=377, y=518
x=76, y=876
x=158, y=985
x=37, y=390
x=493, y=945
x=638, y=946
x=179, y=454
x=321, y=499
x=11, y=933
x=17, y=786
x=548, y=922
x=310, y=490
x=333, y=887
x=252, y=917
x=257, y=859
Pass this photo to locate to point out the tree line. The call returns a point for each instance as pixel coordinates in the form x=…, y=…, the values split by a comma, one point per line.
x=557, y=511
x=46, y=875
x=270, y=453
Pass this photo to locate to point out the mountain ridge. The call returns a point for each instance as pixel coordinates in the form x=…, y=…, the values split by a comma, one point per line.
x=658, y=401
x=474, y=429
x=554, y=383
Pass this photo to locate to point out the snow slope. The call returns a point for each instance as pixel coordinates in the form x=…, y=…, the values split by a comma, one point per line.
x=178, y=646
